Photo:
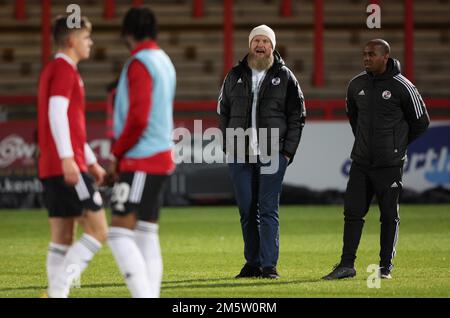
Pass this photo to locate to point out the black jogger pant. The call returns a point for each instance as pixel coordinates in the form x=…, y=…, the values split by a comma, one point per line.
x=363, y=184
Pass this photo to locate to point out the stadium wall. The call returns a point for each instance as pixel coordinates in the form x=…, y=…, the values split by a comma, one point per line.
x=318, y=174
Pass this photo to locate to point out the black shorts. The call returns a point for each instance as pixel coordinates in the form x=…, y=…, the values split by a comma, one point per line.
x=140, y=193
x=63, y=200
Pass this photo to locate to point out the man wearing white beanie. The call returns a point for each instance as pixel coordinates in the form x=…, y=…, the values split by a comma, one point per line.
x=261, y=96
x=262, y=30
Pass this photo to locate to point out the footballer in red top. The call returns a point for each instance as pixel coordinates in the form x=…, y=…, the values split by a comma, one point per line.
x=68, y=168
x=62, y=129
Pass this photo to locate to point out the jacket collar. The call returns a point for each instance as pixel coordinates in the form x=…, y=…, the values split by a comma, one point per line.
x=392, y=68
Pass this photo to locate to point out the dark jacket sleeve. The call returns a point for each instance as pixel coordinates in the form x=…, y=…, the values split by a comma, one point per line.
x=223, y=110
x=296, y=116
x=415, y=113
x=351, y=109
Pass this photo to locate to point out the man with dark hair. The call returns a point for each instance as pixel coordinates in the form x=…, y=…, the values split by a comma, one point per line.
x=141, y=154
x=141, y=24
x=386, y=114
x=262, y=96
x=66, y=162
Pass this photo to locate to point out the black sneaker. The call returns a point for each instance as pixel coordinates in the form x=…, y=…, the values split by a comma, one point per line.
x=340, y=272
x=249, y=271
x=385, y=273
x=270, y=272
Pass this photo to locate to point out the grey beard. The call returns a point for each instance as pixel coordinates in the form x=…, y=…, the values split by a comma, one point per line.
x=260, y=64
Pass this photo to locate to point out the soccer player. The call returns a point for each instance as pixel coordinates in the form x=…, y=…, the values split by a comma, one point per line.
x=142, y=154
x=67, y=165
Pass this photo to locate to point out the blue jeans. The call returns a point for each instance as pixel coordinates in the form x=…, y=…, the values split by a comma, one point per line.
x=258, y=197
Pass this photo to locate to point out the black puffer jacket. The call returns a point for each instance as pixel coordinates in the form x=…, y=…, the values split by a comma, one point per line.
x=280, y=104
x=386, y=113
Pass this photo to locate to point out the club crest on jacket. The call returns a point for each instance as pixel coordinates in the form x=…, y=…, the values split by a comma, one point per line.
x=386, y=94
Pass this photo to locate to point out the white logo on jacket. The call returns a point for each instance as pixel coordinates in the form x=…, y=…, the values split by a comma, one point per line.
x=276, y=81
x=386, y=94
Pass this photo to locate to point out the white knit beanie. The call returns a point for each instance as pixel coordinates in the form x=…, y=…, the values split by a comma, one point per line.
x=262, y=30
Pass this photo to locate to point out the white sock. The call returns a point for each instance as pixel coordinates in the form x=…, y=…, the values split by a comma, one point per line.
x=147, y=240
x=77, y=259
x=130, y=261
x=55, y=258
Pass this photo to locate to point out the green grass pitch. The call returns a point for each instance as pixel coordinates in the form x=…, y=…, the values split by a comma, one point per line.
x=202, y=251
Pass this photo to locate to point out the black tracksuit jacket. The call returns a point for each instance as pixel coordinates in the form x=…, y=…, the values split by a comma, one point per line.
x=386, y=113
x=280, y=104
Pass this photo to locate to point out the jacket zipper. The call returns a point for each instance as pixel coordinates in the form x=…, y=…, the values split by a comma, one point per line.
x=371, y=120
x=263, y=87
x=248, y=114
x=395, y=143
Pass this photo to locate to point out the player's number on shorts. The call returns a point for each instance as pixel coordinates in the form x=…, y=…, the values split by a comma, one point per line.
x=120, y=194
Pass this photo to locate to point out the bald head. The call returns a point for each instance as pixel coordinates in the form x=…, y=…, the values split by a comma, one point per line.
x=381, y=44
